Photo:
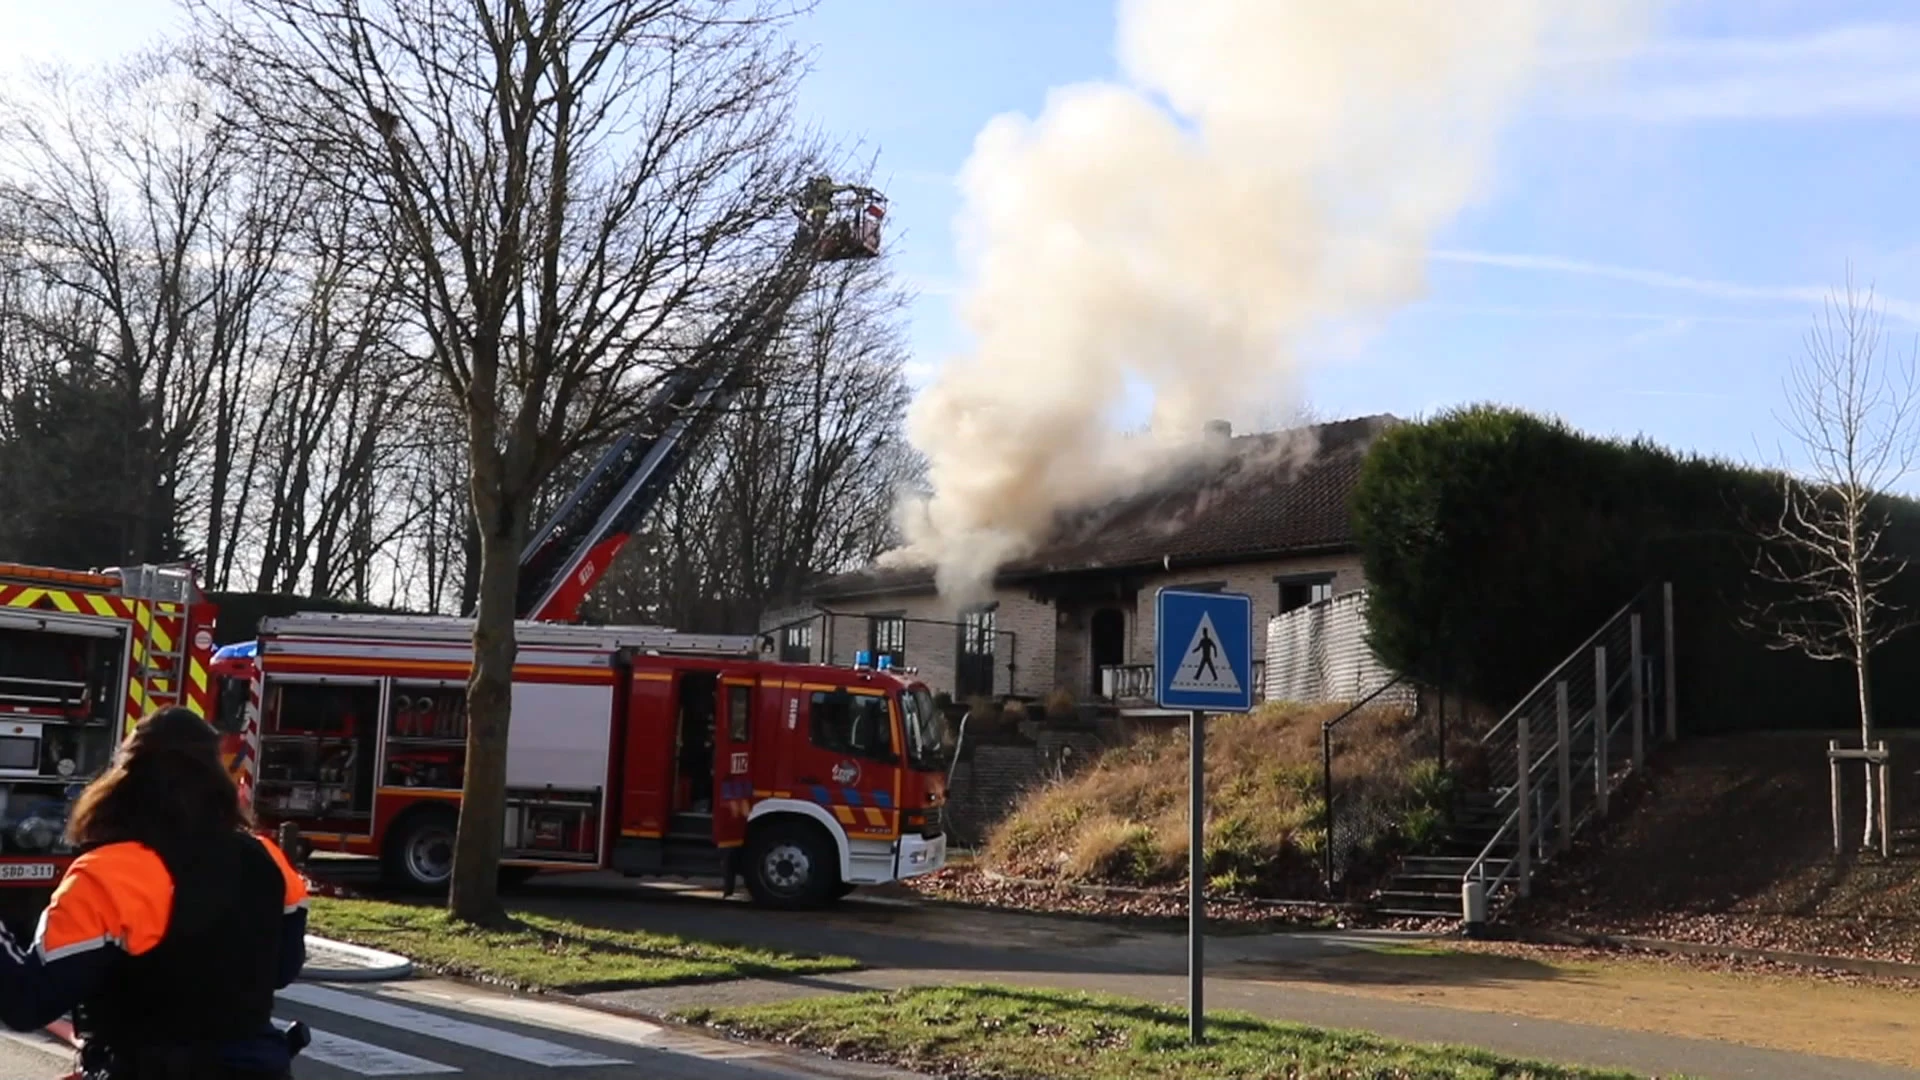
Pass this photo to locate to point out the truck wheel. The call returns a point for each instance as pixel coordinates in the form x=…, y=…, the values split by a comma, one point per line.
x=792, y=865
x=419, y=853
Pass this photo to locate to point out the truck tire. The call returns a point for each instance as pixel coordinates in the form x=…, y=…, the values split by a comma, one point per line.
x=419, y=851
x=792, y=865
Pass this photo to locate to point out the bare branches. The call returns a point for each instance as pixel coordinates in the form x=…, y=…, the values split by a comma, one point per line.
x=1851, y=411
x=1824, y=564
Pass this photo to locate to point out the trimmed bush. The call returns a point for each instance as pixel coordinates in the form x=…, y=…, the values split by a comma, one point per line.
x=1496, y=541
x=241, y=612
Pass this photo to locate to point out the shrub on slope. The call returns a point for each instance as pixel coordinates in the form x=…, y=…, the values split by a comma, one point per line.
x=1122, y=819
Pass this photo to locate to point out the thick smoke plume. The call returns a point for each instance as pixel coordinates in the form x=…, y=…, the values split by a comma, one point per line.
x=1269, y=169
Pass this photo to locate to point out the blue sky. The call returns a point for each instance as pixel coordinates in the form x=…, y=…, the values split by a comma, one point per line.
x=1647, y=261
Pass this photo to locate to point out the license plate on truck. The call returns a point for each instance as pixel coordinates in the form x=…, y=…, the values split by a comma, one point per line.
x=33, y=871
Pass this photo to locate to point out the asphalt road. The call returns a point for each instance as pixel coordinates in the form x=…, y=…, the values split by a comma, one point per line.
x=910, y=944
x=431, y=1028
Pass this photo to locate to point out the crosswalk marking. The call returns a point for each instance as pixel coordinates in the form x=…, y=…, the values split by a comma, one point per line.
x=355, y=1056
x=557, y=1016
x=480, y=1037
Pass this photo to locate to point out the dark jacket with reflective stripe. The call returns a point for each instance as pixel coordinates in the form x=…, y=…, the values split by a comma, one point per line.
x=174, y=948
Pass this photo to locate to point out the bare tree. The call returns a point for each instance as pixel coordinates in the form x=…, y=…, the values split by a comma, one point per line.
x=1851, y=412
x=581, y=185
x=149, y=235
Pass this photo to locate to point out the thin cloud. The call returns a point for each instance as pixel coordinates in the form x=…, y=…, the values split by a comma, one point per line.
x=1862, y=69
x=1904, y=310
x=1525, y=311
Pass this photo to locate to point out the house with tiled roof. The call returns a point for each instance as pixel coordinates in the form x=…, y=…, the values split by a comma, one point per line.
x=1268, y=515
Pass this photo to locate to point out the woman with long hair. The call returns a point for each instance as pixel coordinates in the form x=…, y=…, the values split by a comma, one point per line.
x=172, y=930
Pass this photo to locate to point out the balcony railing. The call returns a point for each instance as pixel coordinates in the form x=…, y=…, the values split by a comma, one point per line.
x=1133, y=684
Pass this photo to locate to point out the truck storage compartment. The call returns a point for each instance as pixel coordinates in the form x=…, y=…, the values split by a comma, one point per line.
x=553, y=824
x=427, y=735
x=61, y=695
x=317, y=744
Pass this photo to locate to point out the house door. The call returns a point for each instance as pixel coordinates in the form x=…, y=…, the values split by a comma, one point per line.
x=973, y=671
x=1107, y=642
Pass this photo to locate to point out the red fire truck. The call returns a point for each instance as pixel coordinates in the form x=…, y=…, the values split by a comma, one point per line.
x=635, y=749
x=820, y=778
x=84, y=654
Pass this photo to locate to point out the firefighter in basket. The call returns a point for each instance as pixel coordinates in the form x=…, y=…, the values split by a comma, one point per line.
x=171, y=932
x=838, y=230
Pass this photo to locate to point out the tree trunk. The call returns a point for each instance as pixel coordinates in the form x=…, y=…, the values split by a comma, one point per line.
x=476, y=859
x=1866, y=743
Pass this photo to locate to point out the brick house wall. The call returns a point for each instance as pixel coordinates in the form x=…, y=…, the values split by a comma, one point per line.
x=1258, y=580
x=1023, y=629
x=1051, y=646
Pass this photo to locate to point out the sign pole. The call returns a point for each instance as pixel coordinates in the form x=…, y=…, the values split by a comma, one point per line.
x=1203, y=663
x=1196, y=881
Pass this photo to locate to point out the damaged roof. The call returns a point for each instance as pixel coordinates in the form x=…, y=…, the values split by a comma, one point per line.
x=1263, y=498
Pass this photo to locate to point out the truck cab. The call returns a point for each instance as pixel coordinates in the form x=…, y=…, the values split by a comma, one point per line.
x=806, y=780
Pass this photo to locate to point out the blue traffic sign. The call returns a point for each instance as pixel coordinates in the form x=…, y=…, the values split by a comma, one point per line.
x=1203, y=650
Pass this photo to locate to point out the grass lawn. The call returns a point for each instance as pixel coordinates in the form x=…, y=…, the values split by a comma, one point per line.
x=543, y=953
x=1019, y=1034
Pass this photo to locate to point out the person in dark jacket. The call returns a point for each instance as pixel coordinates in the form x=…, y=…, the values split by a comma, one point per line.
x=171, y=932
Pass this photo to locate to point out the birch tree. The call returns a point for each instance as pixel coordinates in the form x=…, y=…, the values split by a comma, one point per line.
x=1851, y=413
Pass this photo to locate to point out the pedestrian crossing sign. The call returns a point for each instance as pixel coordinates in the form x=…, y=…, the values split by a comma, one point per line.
x=1203, y=650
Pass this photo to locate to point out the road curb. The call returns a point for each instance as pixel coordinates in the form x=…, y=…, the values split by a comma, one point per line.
x=805, y=1063
x=372, y=965
x=1852, y=965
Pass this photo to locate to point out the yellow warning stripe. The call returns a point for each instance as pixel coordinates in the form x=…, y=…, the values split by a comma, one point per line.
x=101, y=605
x=844, y=813
x=876, y=818
x=198, y=673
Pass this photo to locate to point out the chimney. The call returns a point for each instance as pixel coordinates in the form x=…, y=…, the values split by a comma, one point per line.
x=1219, y=429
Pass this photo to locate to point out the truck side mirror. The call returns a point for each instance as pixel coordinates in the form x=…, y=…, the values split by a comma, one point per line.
x=230, y=708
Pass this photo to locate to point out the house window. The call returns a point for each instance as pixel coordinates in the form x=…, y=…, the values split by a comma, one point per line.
x=796, y=644
x=977, y=633
x=887, y=636
x=1304, y=590
x=973, y=675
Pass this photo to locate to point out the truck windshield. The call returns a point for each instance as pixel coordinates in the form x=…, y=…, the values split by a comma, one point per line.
x=922, y=722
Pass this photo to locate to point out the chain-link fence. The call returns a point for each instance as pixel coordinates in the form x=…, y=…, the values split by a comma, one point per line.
x=1368, y=759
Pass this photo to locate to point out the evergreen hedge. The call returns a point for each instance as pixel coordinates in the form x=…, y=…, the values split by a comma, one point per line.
x=241, y=612
x=1496, y=541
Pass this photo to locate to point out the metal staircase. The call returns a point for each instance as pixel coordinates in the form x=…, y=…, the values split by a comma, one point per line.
x=1551, y=765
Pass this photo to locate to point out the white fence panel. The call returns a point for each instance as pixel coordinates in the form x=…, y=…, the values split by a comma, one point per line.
x=1318, y=655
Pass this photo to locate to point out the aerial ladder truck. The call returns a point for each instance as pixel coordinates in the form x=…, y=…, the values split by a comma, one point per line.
x=640, y=749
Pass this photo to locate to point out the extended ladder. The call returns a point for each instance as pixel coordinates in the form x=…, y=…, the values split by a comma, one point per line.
x=577, y=544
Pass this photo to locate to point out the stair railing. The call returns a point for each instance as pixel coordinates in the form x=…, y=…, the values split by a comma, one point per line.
x=1326, y=771
x=1552, y=792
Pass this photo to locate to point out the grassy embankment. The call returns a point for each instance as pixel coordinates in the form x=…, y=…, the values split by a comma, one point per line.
x=1022, y=1034
x=1122, y=819
x=541, y=953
